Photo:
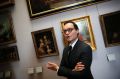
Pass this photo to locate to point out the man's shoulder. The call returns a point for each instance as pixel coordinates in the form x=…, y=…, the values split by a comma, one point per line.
x=82, y=44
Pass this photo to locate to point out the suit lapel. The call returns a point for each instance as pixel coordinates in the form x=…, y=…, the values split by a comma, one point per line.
x=66, y=55
x=75, y=53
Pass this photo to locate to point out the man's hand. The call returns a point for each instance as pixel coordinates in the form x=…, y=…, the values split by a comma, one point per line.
x=52, y=66
x=79, y=67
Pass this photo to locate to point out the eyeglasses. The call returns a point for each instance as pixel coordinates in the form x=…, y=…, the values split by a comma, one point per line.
x=69, y=30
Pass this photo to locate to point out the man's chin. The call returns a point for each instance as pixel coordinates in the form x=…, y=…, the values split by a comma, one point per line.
x=69, y=40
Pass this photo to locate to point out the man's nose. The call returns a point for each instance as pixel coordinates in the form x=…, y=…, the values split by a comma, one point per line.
x=67, y=32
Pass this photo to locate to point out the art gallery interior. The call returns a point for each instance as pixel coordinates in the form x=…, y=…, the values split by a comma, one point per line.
x=31, y=65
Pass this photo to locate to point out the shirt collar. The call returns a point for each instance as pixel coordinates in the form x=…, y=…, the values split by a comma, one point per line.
x=73, y=44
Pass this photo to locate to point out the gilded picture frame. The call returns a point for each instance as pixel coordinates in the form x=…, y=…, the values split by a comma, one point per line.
x=45, y=42
x=85, y=31
x=7, y=35
x=110, y=26
x=39, y=8
x=8, y=54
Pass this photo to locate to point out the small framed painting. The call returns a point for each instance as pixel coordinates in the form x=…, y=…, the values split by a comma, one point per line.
x=85, y=31
x=45, y=42
x=8, y=54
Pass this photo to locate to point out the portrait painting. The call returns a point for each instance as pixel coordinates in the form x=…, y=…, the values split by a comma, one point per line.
x=45, y=42
x=110, y=26
x=8, y=54
x=39, y=8
x=85, y=31
x=7, y=35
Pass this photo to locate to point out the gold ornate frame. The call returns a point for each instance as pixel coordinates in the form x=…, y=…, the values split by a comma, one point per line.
x=45, y=42
x=86, y=33
x=38, y=8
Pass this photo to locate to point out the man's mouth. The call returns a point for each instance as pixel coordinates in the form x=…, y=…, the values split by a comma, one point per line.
x=67, y=37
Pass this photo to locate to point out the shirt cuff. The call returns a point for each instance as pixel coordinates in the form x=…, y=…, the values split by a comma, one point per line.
x=57, y=69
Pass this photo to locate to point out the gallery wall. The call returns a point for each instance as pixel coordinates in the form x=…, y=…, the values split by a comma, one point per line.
x=23, y=26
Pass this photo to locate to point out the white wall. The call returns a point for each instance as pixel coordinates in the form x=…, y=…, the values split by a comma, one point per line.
x=23, y=26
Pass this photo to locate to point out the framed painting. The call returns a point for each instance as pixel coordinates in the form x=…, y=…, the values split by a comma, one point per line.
x=38, y=8
x=110, y=26
x=6, y=74
x=7, y=35
x=45, y=42
x=85, y=31
x=8, y=54
x=6, y=3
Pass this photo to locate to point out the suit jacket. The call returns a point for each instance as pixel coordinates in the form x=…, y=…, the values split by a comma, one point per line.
x=80, y=53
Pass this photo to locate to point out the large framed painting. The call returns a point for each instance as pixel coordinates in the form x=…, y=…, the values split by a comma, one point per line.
x=45, y=42
x=39, y=8
x=7, y=35
x=110, y=26
x=6, y=3
x=85, y=31
x=8, y=54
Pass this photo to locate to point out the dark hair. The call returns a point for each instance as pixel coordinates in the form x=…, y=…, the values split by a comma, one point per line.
x=74, y=24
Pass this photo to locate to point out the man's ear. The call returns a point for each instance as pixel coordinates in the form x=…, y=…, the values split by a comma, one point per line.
x=78, y=32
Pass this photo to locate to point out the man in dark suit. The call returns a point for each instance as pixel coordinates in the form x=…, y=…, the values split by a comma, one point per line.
x=77, y=57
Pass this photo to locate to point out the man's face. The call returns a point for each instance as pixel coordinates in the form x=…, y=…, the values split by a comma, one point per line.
x=70, y=33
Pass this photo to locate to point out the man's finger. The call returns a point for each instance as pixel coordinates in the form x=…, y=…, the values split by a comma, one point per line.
x=80, y=65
